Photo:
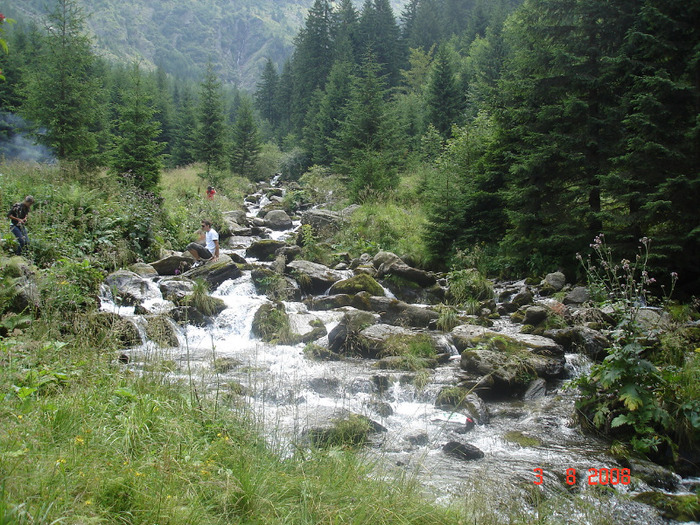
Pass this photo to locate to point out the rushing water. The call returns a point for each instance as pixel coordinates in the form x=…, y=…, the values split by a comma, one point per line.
x=288, y=392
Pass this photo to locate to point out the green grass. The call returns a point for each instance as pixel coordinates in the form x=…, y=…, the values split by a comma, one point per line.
x=83, y=440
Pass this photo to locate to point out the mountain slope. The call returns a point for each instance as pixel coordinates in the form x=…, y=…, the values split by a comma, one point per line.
x=181, y=35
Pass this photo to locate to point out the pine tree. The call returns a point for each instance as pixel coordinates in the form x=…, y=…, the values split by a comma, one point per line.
x=210, y=145
x=266, y=94
x=366, y=145
x=379, y=32
x=311, y=61
x=560, y=124
x=61, y=92
x=184, y=140
x=138, y=154
x=444, y=99
x=246, y=141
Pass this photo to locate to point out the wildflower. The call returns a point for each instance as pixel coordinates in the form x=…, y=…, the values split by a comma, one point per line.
x=674, y=275
x=88, y=502
x=79, y=440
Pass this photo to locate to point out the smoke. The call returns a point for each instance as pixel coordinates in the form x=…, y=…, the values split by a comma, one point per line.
x=16, y=142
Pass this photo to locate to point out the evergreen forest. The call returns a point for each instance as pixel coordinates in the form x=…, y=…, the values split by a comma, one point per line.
x=535, y=127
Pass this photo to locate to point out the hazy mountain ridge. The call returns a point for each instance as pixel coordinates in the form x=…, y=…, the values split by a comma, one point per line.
x=181, y=35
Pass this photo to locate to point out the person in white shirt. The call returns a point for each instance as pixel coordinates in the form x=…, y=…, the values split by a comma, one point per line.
x=207, y=249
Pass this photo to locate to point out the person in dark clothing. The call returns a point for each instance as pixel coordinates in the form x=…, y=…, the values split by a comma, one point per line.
x=18, y=215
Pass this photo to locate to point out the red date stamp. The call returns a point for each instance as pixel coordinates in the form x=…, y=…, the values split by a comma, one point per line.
x=596, y=476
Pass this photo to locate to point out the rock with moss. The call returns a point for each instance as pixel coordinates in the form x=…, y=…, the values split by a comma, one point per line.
x=274, y=285
x=340, y=429
x=581, y=339
x=216, y=272
x=672, y=506
x=271, y=324
x=344, y=338
x=161, y=331
x=312, y=277
x=265, y=249
x=398, y=313
x=356, y=284
x=173, y=263
x=522, y=439
x=143, y=269
x=113, y=330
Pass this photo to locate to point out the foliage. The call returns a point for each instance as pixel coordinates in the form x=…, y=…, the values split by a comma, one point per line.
x=246, y=142
x=137, y=152
x=62, y=93
x=467, y=284
x=68, y=287
x=629, y=395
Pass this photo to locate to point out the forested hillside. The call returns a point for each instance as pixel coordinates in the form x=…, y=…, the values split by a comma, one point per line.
x=534, y=127
x=238, y=35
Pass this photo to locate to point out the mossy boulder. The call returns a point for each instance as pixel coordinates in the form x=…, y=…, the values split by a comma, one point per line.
x=358, y=283
x=264, y=250
x=161, y=331
x=113, y=330
x=672, y=506
x=271, y=323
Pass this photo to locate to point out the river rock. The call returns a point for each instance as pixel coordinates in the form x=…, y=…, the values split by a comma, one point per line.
x=578, y=295
x=399, y=313
x=143, y=269
x=355, y=284
x=552, y=283
x=344, y=338
x=323, y=222
x=115, y=329
x=173, y=263
x=312, y=277
x=265, y=249
x=463, y=451
x=216, y=272
x=189, y=315
x=278, y=220
x=332, y=427
x=535, y=390
x=175, y=288
x=160, y=330
x=535, y=315
x=581, y=339
x=131, y=289
x=397, y=269
x=374, y=339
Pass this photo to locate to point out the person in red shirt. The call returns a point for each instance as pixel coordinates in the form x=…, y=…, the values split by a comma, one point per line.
x=210, y=193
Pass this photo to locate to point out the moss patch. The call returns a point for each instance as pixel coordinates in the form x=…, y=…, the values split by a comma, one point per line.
x=521, y=439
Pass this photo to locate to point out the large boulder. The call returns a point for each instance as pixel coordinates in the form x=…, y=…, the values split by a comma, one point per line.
x=175, y=288
x=278, y=220
x=578, y=295
x=131, y=289
x=312, y=277
x=356, y=284
x=344, y=337
x=265, y=249
x=581, y=339
x=160, y=329
x=323, y=222
x=216, y=272
x=402, y=314
x=143, y=269
x=332, y=427
x=173, y=263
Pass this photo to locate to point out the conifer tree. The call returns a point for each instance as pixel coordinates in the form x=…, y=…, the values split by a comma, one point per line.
x=210, y=144
x=266, y=94
x=379, y=32
x=444, y=99
x=62, y=90
x=246, y=141
x=366, y=145
x=184, y=137
x=137, y=154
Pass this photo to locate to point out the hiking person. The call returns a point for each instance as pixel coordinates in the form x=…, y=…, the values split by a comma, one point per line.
x=18, y=215
x=207, y=249
x=210, y=193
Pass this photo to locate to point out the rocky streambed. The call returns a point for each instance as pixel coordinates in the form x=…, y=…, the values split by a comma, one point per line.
x=474, y=405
